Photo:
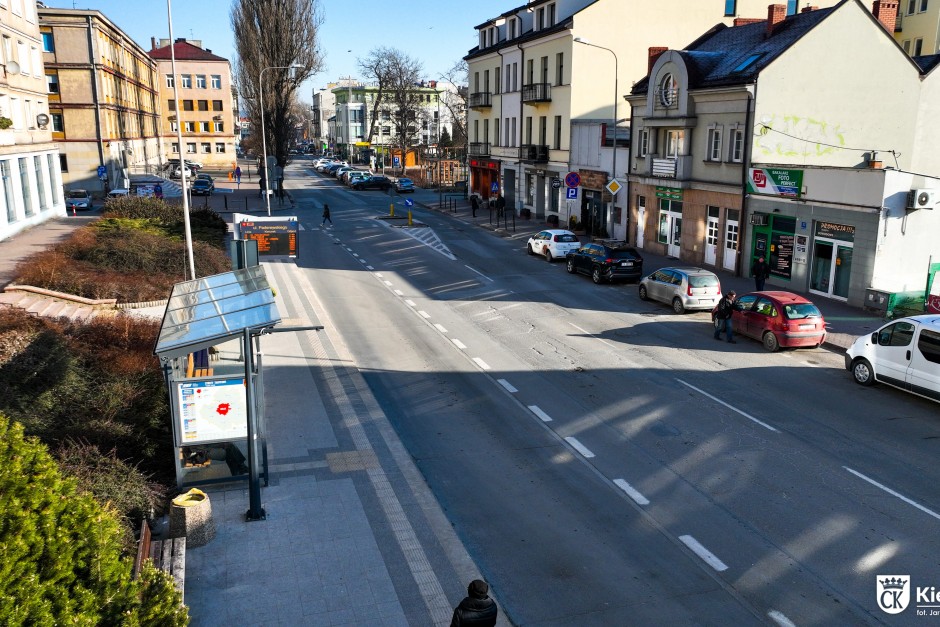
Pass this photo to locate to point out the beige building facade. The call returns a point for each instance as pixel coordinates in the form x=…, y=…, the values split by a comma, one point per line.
x=918, y=27
x=102, y=99
x=30, y=175
x=207, y=109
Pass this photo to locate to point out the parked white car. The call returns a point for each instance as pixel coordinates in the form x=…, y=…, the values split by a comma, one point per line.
x=553, y=244
x=904, y=353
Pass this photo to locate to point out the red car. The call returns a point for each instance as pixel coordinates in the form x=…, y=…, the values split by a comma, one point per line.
x=779, y=319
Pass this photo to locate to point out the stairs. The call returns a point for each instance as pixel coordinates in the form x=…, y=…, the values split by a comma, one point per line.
x=47, y=306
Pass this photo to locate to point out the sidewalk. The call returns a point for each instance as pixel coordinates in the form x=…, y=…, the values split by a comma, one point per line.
x=844, y=323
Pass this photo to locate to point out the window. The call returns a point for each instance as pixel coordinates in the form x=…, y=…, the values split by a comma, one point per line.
x=175, y=147
x=189, y=127
x=52, y=179
x=63, y=163
x=737, y=145
x=40, y=183
x=190, y=148
x=544, y=69
x=540, y=18
x=496, y=81
x=512, y=28
x=169, y=81
x=515, y=76
x=551, y=14
x=203, y=127
x=218, y=127
x=643, y=147
x=560, y=68
x=512, y=136
x=528, y=130
x=714, y=144
x=216, y=105
x=792, y=6
x=200, y=81
x=24, y=185
x=911, y=6
x=187, y=105
x=386, y=130
x=52, y=83
x=171, y=105
x=186, y=81
x=48, y=43
x=918, y=47
x=923, y=5
x=748, y=62
x=173, y=127
x=206, y=148
x=216, y=81
x=496, y=132
x=57, y=125
x=220, y=147
x=506, y=132
x=731, y=8
x=486, y=131
x=543, y=130
x=907, y=46
x=557, y=145
x=8, y=190
x=929, y=345
x=22, y=55
x=667, y=90
x=675, y=143
x=507, y=90
x=203, y=105
x=898, y=334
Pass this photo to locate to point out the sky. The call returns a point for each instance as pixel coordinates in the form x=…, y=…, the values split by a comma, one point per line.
x=436, y=33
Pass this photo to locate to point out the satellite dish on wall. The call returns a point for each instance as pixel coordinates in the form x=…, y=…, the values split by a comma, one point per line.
x=42, y=120
x=13, y=67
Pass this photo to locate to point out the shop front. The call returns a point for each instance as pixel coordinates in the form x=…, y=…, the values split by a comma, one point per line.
x=833, y=246
x=484, y=174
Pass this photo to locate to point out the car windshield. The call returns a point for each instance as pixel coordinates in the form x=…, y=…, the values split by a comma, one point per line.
x=566, y=238
x=78, y=194
x=626, y=253
x=703, y=280
x=799, y=311
x=405, y=181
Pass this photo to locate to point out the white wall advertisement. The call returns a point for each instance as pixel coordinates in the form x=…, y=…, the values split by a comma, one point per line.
x=213, y=410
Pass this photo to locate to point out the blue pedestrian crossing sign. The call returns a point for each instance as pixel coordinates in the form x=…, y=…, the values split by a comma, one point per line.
x=102, y=172
x=409, y=202
x=494, y=187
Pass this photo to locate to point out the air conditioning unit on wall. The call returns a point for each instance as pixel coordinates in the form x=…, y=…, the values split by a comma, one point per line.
x=923, y=198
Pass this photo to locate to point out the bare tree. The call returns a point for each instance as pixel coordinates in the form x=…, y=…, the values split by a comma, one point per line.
x=456, y=101
x=376, y=68
x=404, y=103
x=275, y=34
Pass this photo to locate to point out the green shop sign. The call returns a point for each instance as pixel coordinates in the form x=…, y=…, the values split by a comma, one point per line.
x=775, y=182
x=672, y=193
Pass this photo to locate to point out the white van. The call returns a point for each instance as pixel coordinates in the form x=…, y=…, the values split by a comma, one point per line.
x=904, y=353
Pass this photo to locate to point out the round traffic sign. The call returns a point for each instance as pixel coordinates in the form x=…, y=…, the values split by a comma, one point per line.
x=572, y=179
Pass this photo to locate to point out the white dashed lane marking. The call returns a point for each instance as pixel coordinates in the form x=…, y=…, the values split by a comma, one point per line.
x=506, y=384
x=482, y=364
x=424, y=314
x=459, y=344
x=535, y=409
x=440, y=328
x=731, y=407
x=631, y=492
x=704, y=553
x=585, y=451
x=910, y=502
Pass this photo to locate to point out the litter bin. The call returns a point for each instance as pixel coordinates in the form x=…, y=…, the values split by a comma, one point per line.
x=191, y=516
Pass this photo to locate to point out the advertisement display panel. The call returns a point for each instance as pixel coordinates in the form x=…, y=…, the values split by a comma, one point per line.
x=210, y=410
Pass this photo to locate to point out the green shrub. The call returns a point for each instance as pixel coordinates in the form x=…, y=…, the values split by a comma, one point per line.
x=205, y=224
x=62, y=551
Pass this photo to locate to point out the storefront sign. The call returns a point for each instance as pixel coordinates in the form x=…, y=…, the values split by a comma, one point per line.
x=775, y=182
x=800, y=249
x=842, y=232
x=781, y=254
x=671, y=193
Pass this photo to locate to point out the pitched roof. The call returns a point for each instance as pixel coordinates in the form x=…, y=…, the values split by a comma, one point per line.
x=184, y=51
x=927, y=62
x=734, y=55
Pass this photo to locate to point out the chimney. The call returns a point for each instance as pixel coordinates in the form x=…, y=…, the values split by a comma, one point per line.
x=153, y=43
x=776, y=13
x=744, y=21
x=808, y=9
x=886, y=12
x=654, y=53
x=180, y=40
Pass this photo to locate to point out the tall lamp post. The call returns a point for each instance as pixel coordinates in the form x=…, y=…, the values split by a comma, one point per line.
x=616, y=97
x=264, y=138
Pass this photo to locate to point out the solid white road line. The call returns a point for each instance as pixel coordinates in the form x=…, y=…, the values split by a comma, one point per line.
x=731, y=407
x=780, y=618
x=535, y=409
x=410, y=303
x=482, y=364
x=506, y=384
x=440, y=328
x=592, y=335
x=424, y=314
x=893, y=493
x=573, y=441
x=631, y=492
x=459, y=344
x=704, y=553
x=478, y=272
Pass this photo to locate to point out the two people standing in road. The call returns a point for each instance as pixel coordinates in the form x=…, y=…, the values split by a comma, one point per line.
x=477, y=609
x=760, y=271
x=721, y=314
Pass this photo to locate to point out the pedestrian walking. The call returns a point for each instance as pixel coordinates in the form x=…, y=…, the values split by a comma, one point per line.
x=262, y=184
x=326, y=215
x=474, y=204
x=760, y=271
x=238, y=175
x=721, y=314
x=477, y=609
x=500, y=206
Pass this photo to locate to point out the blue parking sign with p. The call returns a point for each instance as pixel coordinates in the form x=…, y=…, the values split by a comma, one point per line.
x=571, y=193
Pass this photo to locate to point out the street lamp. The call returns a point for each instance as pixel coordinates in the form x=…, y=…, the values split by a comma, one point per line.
x=264, y=139
x=616, y=91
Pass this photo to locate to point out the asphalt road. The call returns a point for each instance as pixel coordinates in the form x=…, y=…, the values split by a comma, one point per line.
x=606, y=461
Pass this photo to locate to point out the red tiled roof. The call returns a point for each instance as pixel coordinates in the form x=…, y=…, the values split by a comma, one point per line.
x=184, y=51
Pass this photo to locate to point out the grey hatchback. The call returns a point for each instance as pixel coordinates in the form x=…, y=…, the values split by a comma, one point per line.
x=683, y=288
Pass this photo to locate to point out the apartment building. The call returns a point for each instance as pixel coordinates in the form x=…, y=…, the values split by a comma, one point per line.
x=102, y=99
x=796, y=138
x=542, y=65
x=208, y=107
x=322, y=109
x=29, y=160
x=917, y=28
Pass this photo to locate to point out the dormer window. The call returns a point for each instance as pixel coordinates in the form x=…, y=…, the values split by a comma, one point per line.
x=551, y=15
x=512, y=28
x=667, y=90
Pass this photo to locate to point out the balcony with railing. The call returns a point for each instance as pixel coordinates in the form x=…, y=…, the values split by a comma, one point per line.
x=533, y=153
x=479, y=149
x=537, y=92
x=480, y=100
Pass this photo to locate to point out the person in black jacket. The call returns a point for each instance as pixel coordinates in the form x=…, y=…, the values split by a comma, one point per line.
x=760, y=271
x=477, y=609
x=722, y=316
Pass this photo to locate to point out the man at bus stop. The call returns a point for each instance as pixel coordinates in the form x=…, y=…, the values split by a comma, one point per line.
x=500, y=205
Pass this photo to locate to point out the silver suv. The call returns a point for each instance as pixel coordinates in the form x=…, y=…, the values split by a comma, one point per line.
x=683, y=288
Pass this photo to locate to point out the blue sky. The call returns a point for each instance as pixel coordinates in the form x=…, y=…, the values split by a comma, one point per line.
x=437, y=33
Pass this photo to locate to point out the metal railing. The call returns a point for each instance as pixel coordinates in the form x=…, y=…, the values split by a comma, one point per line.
x=479, y=149
x=480, y=99
x=537, y=92
x=534, y=153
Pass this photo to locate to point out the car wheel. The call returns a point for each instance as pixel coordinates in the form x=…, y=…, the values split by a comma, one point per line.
x=678, y=306
x=548, y=256
x=529, y=249
x=570, y=266
x=770, y=342
x=643, y=294
x=862, y=372
x=597, y=277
